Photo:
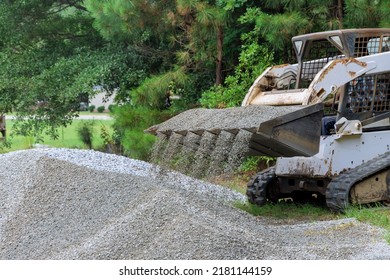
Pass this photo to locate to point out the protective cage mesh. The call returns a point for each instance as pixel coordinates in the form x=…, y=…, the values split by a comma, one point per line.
x=370, y=93
x=320, y=53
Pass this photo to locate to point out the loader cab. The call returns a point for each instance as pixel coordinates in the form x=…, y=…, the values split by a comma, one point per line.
x=362, y=98
x=313, y=52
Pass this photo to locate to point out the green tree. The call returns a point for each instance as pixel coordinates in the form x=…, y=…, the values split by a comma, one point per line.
x=50, y=56
x=130, y=123
x=253, y=60
x=44, y=61
x=202, y=38
x=365, y=13
x=189, y=34
x=277, y=21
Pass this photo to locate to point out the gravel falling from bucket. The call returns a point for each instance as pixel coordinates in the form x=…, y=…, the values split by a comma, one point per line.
x=172, y=150
x=159, y=147
x=239, y=150
x=202, y=156
x=187, y=153
x=220, y=154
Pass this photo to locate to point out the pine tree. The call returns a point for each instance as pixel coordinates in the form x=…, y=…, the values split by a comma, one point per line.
x=366, y=13
x=187, y=33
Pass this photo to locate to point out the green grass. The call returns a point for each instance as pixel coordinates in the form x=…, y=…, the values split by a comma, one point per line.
x=81, y=113
x=87, y=113
x=287, y=211
x=377, y=216
x=68, y=137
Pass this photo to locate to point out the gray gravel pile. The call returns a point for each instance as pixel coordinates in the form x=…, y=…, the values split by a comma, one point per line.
x=76, y=204
x=230, y=118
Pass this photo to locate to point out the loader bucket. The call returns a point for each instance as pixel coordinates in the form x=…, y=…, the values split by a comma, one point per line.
x=293, y=134
x=207, y=142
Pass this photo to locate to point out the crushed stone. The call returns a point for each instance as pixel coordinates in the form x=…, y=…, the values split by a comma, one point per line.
x=81, y=204
x=229, y=118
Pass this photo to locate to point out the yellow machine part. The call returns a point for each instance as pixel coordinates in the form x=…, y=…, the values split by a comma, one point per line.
x=373, y=189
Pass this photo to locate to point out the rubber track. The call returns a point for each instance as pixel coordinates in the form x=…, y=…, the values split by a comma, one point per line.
x=257, y=187
x=337, y=191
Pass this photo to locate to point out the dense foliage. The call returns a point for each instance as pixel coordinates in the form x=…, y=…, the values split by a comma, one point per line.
x=52, y=58
x=129, y=129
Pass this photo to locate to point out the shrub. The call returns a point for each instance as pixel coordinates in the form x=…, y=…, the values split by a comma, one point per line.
x=111, y=108
x=256, y=163
x=85, y=132
x=91, y=108
x=101, y=109
x=130, y=123
x=111, y=142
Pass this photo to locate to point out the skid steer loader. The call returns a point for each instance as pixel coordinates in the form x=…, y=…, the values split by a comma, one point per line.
x=326, y=119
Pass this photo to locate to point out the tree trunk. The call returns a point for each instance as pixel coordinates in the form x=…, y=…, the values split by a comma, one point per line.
x=340, y=12
x=218, y=72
